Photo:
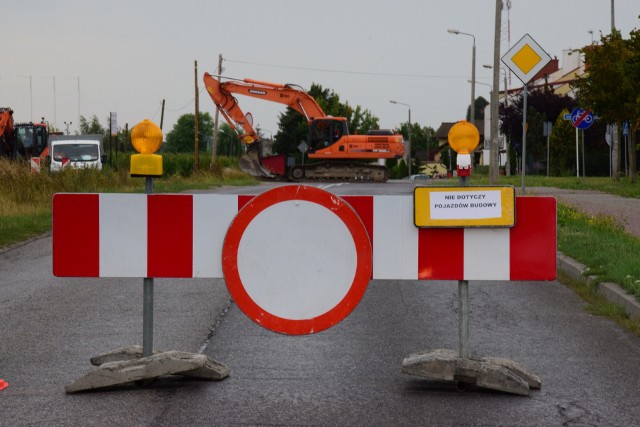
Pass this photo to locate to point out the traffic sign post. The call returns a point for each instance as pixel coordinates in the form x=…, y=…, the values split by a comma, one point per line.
x=582, y=119
x=135, y=363
x=525, y=59
x=488, y=207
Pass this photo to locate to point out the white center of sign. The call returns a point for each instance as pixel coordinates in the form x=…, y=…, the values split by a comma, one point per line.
x=466, y=205
x=297, y=259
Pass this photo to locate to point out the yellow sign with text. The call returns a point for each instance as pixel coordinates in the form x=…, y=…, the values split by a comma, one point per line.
x=464, y=206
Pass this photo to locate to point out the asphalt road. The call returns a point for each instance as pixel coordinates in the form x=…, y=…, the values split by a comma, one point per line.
x=347, y=375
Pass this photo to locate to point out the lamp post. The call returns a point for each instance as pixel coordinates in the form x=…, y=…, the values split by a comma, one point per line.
x=79, y=115
x=54, y=99
x=472, y=115
x=409, y=140
x=265, y=147
x=30, y=96
x=481, y=83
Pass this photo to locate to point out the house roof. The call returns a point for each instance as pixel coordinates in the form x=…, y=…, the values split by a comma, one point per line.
x=445, y=127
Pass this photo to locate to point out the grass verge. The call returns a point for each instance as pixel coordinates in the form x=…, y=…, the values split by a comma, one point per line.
x=603, y=245
x=25, y=198
x=19, y=227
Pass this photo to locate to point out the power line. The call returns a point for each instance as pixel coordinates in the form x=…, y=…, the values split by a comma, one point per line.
x=328, y=70
x=191, y=101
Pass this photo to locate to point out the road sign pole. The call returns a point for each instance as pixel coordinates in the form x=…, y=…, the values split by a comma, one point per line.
x=584, y=154
x=463, y=318
x=463, y=312
x=577, y=156
x=147, y=297
x=524, y=134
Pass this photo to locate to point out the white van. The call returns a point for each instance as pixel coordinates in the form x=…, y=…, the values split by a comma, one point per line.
x=75, y=151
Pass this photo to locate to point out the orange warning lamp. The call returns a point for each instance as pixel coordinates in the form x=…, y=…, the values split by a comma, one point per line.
x=463, y=139
x=146, y=138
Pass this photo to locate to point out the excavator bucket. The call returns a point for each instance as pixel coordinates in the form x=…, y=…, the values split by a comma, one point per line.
x=250, y=162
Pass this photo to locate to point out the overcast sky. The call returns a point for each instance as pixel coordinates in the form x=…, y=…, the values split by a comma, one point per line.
x=126, y=56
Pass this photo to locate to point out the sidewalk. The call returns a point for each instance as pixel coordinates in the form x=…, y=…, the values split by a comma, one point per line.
x=625, y=211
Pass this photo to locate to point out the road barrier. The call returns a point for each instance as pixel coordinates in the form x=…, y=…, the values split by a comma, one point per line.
x=297, y=259
x=182, y=236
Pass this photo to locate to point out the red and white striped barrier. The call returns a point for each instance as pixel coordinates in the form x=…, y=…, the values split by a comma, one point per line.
x=35, y=165
x=182, y=236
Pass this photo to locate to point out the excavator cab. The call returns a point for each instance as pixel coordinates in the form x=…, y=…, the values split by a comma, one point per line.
x=31, y=139
x=325, y=132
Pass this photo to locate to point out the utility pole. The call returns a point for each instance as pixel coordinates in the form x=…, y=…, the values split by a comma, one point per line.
x=494, y=149
x=162, y=115
x=196, y=162
x=613, y=19
x=214, y=141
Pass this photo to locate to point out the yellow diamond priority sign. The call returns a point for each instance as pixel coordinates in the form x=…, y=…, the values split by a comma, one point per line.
x=526, y=58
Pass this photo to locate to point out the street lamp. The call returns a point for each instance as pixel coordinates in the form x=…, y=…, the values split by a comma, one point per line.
x=67, y=126
x=409, y=140
x=54, y=99
x=266, y=147
x=481, y=83
x=30, y=96
x=472, y=114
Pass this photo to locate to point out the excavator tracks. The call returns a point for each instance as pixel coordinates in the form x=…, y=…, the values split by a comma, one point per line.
x=339, y=171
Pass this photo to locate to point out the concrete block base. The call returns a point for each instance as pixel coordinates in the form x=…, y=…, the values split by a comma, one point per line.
x=126, y=365
x=492, y=373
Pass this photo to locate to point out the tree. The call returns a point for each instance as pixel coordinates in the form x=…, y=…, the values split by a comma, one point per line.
x=562, y=144
x=632, y=84
x=479, y=105
x=607, y=89
x=228, y=143
x=181, y=139
x=91, y=126
x=542, y=105
x=362, y=121
x=423, y=140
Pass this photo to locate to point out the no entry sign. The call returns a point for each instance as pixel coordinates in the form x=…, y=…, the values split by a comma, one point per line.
x=297, y=259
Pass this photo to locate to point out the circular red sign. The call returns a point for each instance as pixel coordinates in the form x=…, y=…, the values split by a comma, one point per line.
x=342, y=271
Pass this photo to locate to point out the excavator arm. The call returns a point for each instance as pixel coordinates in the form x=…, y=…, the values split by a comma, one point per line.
x=6, y=122
x=6, y=131
x=222, y=95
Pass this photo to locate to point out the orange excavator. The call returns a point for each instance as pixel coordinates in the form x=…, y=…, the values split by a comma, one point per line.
x=344, y=157
x=22, y=140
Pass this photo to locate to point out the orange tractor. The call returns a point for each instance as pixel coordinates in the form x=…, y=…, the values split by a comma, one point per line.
x=344, y=157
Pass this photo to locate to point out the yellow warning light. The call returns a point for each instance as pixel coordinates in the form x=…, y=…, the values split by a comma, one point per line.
x=463, y=137
x=146, y=138
x=248, y=139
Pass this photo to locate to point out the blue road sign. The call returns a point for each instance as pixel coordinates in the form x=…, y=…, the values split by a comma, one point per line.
x=582, y=119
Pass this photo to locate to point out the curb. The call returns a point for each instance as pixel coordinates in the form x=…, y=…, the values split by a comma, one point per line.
x=13, y=246
x=611, y=291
